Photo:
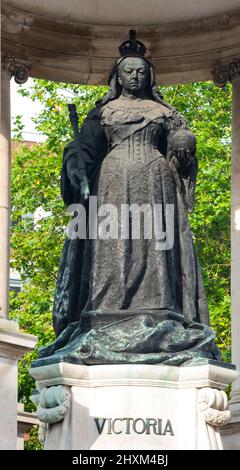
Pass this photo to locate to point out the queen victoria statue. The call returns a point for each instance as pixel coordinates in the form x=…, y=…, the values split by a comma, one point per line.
x=132, y=292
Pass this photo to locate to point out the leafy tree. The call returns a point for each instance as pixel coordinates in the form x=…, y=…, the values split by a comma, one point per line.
x=36, y=242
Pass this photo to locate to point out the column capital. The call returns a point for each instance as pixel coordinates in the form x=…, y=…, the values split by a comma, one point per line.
x=16, y=68
x=223, y=73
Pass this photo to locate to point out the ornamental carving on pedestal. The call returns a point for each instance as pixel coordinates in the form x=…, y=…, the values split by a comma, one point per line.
x=213, y=405
x=53, y=403
x=16, y=68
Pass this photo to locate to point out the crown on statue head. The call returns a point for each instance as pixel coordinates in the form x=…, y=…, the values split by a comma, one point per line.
x=132, y=47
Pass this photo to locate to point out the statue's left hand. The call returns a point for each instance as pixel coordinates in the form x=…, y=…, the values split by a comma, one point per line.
x=184, y=157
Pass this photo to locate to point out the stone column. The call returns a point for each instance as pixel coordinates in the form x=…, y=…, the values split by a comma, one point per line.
x=235, y=233
x=10, y=67
x=221, y=75
x=4, y=191
x=13, y=345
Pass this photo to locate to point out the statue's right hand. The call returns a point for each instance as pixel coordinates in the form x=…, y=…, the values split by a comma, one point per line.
x=75, y=177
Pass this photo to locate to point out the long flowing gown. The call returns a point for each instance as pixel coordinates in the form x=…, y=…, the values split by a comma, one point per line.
x=123, y=300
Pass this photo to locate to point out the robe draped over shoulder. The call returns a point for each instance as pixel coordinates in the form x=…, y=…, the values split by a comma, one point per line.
x=93, y=150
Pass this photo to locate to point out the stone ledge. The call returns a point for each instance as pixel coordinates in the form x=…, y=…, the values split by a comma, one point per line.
x=14, y=345
x=25, y=419
x=133, y=375
x=10, y=326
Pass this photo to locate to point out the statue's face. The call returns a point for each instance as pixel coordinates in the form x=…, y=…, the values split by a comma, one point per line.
x=133, y=75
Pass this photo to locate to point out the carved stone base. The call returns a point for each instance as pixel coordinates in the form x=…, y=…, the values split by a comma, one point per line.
x=132, y=406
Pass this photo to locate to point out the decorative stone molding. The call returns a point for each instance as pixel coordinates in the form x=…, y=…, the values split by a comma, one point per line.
x=225, y=73
x=16, y=20
x=75, y=375
x=213, y=405
x=16, y=68
x=53, y=403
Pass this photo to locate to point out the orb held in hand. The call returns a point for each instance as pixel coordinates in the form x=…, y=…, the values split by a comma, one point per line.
x=184, y=146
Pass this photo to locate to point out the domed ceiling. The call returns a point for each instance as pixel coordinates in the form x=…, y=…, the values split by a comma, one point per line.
x=77, y=40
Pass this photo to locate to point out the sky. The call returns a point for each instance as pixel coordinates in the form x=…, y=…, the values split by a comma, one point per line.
x=27, y=108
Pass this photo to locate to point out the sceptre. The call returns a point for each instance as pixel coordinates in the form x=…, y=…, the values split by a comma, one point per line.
x=84, y=186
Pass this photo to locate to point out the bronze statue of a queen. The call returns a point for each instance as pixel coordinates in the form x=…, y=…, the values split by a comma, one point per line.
x=135, y=295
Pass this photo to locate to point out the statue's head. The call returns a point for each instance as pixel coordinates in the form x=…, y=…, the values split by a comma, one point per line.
x=134, y=75
x=132, y=72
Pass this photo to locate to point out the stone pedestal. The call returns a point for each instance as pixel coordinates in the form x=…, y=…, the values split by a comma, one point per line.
x=132, y=406
x=13, y=345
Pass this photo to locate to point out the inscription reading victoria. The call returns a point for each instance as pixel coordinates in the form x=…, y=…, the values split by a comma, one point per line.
x=134, y=425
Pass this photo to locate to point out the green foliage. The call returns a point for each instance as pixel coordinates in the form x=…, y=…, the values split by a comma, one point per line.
x=18, y=127
x=36, y=244
x=33, y=442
